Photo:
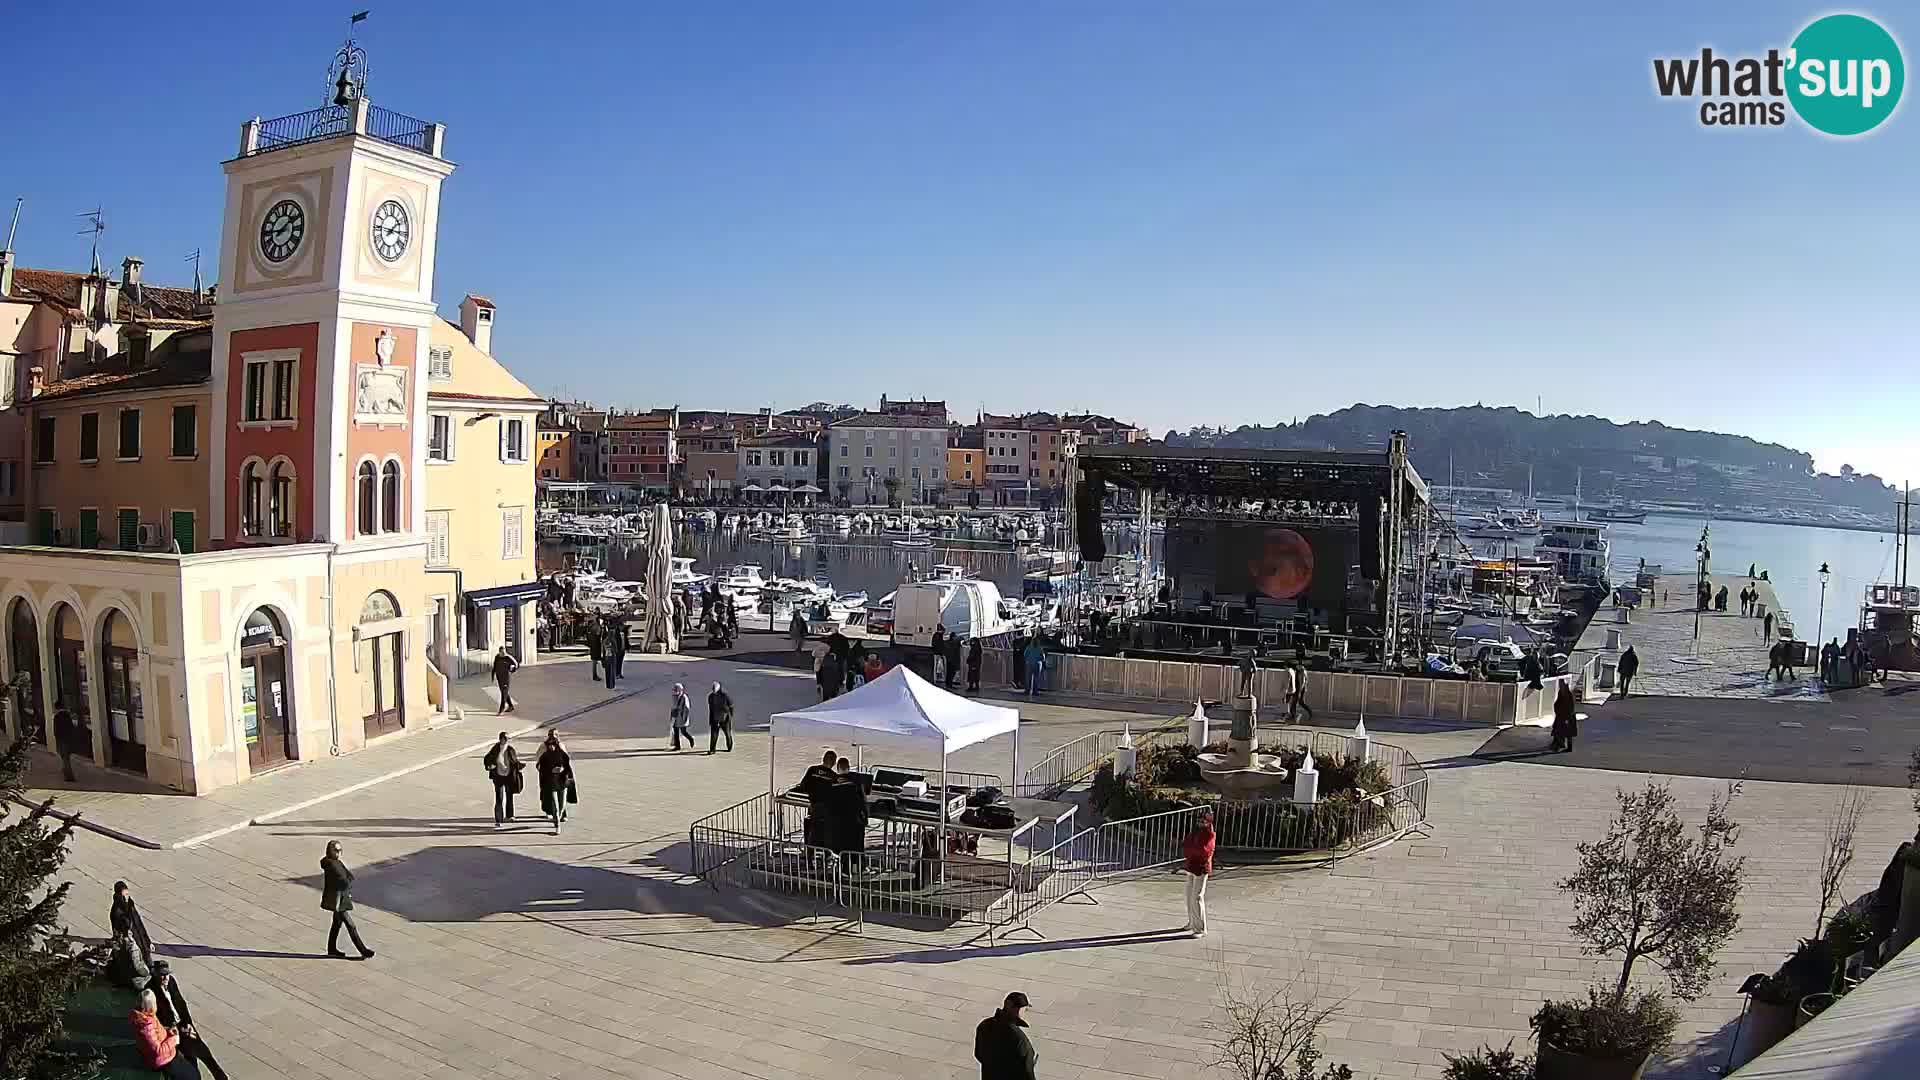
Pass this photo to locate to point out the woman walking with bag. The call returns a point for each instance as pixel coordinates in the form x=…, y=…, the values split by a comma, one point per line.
x=556, y=780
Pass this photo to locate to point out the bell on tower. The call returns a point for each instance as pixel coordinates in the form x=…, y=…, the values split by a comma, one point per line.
x=349, y=68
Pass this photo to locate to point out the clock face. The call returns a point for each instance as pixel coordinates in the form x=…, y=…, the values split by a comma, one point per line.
x=282, y=230
x=391, y=230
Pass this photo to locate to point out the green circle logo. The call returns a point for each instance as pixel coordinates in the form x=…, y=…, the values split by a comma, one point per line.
x=1845, y=74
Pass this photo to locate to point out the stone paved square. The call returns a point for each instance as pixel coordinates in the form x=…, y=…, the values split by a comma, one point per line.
x=521, y=954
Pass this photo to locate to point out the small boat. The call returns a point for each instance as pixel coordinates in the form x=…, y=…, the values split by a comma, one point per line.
x=743, y=580
x=919, y=542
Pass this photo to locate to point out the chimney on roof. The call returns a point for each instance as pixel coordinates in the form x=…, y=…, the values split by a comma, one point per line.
x=476, y=321
x=130, y=276
x=6, y=272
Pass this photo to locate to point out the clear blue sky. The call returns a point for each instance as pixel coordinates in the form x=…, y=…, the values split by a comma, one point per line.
x=1214, y=213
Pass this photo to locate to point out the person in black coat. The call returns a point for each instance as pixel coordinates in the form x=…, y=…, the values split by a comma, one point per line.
x=556, y=779
x=847, y=809
x=66, y=741
x=1000, y=1042
x=503, y=668
x=830, y=676
x=815, y=783
x=973, y=666
x=1530, y=670
x=336, y=895
x=1629, y=664
x=719, y=718
x=1566, y=719
x=171, y=1006
x=132, y=947
x=953, y=659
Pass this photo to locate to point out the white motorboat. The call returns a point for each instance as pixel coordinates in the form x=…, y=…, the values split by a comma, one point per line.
x=684, y=576
x=743, y=580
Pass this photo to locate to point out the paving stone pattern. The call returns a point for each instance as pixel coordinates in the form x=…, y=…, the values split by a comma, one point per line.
x=520, y=954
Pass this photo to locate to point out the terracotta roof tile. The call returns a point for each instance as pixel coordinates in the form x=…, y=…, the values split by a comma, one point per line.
x=182, y=360
x=62, y=289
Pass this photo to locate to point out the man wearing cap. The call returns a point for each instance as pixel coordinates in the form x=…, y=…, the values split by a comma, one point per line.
x=170, y=1005
x=1000, y=1043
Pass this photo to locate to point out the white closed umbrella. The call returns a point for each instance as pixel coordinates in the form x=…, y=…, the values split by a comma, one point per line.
x=661, y=630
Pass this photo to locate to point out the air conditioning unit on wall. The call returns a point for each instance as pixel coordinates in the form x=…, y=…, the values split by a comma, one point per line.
x=151, y=536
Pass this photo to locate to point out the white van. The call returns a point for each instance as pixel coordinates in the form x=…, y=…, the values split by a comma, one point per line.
x=968, y=608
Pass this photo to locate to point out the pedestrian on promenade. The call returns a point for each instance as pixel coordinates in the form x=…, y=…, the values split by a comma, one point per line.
x=973, y=666
x=1767, y=622
x=1287, y=690
x=132, y=947
x=503, y=668
x=617, y=654
x=939, y=654
x=1299, y=702
x=66, y=741
x=720, y=717
x=556, y=780
x=503, y=767
x=171, y=1007
x=681, y=715
x=1566, y=719
x=829, y=677
x=797, y=629
x=593, y=648
x=1197, y=850
x=952, y=660
x=1629, y=666
x=856, y=663
x=1530, y=669
x=1829, y=660
x=1000, y=1042
x=1036, y=662
x=336, y=895
x=159, y=1044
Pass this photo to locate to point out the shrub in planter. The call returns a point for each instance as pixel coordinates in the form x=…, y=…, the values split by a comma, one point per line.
x=1487, y=1063
x=1810, y=970
x=1629, y=1029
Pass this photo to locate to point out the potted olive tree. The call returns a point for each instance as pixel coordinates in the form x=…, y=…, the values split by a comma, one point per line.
x=1648, y=889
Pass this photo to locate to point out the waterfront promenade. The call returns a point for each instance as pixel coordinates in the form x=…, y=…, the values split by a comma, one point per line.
x=519, y=954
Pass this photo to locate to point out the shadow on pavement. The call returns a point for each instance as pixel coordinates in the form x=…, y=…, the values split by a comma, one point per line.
x=615, y=903
x=955, y=954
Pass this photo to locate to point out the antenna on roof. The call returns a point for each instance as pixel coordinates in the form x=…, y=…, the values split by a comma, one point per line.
x=98, y=225
x=194, y=258
x=15, y=224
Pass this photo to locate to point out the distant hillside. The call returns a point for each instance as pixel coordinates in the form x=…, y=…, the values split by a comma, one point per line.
x=1496, y=447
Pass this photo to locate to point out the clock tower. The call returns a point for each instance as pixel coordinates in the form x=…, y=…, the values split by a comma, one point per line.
x=317, y=433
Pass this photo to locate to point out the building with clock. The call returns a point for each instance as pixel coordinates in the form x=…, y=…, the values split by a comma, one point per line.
x=259, y=583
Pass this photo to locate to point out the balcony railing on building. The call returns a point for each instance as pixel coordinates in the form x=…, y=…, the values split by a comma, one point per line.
x=360, y=117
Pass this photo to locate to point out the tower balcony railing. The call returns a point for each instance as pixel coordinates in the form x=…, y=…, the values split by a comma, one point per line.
x=360, y=117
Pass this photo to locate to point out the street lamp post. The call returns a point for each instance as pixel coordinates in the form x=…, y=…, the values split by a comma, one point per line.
x=1701, y=553
x=1820, y=626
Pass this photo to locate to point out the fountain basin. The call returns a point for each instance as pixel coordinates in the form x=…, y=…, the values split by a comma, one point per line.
x=1234, y=775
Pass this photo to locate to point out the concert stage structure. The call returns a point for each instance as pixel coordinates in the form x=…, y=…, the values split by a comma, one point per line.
x=1290, y=548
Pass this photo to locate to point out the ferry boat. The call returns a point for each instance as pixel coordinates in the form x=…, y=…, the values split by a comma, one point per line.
x=1578, y=552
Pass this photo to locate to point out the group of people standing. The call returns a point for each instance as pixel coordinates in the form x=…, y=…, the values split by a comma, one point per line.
x=1293, y=683
x=948, y=649
x=840, y=665
x=719, y=718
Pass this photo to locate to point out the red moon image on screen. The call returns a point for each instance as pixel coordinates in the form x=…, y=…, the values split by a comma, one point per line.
x=1282, y=567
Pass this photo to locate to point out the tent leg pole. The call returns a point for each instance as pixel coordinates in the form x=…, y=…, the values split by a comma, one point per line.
x=773, y=802
x=943, y=813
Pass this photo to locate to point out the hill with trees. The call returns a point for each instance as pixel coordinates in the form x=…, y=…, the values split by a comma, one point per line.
x=1498, y=447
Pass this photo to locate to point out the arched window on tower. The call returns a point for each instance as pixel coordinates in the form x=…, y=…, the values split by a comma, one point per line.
x=368, y=500
x=280, y=499
x=250, y=517
x=390, y=496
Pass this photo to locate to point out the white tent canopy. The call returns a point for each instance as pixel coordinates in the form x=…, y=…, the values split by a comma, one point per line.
x=900, y=707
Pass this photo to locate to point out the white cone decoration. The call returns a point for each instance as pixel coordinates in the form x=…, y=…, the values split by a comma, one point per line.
x=1126, y=756
x=1306, y=781
x=1197, y=726
x=1360, y=744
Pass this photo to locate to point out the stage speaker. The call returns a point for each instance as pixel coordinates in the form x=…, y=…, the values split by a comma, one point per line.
x=1086, y=518
x=1370, y=538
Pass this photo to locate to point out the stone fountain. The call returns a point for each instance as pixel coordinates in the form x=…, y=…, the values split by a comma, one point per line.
x=1241, y=772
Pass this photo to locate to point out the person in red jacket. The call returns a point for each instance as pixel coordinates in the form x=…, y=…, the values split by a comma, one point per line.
x=159, y=1045
x=1198, y=850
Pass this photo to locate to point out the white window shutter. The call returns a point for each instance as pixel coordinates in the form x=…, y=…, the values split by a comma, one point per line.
x=503, y=439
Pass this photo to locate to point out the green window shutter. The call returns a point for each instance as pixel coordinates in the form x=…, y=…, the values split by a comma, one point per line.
x=43, y=527
x=183, y=530
x=89, y=528
x=129, y=530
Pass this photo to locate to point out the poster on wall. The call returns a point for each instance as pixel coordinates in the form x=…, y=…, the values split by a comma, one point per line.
x=250, y=704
